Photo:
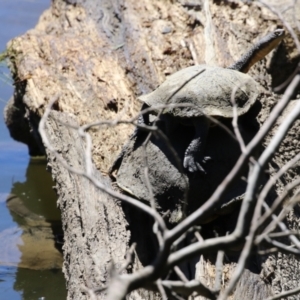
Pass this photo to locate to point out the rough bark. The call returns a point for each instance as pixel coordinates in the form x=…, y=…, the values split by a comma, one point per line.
x=97, y=57
x=92, y=222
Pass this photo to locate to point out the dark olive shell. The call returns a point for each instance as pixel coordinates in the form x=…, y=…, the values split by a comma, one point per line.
x=208, y=93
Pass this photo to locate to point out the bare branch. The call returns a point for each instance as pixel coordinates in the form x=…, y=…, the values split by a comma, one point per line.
x=235, y=120
x=283, y=227
x=187, y=288
x=83, y=173
x=246, y=215
x=199, y=248
x=213, y=201
x=283, y=20
x=275, y=205
x=161, y=289
x=91, y=293
x=284, y=295
x=282, y=247
x=129, y=258
x=283, y=234
x=219, y=270
x=267, y=187
x=180, y=274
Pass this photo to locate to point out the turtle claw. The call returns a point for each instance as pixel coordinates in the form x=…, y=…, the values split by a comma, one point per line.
x=194, y=166
x=206, y=159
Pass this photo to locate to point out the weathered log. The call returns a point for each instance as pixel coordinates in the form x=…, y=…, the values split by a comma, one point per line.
x=96, y=57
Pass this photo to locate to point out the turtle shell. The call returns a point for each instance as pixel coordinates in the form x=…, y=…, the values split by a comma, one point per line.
x=169, y=182
x=207, y=93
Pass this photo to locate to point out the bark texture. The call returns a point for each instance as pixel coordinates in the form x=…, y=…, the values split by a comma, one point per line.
x=97, y=56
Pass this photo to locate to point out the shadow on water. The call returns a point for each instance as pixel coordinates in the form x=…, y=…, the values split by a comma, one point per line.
x=30, y=258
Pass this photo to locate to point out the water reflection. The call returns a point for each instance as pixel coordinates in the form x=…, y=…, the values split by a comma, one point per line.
x=31, y=244
x=37, y=191
x=32, y=189
x=47, y=284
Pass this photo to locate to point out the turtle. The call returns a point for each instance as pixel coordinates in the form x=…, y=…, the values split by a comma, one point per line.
x=195, y=94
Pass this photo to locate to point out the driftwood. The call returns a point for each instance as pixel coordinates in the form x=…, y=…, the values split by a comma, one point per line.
x=94, y=58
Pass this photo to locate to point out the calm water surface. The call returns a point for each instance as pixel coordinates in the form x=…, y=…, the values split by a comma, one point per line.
x=27, y=183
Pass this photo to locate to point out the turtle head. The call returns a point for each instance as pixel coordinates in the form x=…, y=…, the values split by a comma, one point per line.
x=259, y=51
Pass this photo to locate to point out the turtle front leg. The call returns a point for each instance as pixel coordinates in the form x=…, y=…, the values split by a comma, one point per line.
x=143, y=119
x=193, y=158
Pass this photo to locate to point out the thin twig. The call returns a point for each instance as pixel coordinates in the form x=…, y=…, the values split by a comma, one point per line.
x=267, y=187
x=93, y=179
x=161, y=289
x=282, y=247
x=283, y=234
x=187, y=288
x=283, y=227
x=235, y=120
x=219, y=270
x=283, y=20
x=180, y=274
x=275, y=205
x=213, y=201
x=286, y=294
x=246, y=216
x=129, y=258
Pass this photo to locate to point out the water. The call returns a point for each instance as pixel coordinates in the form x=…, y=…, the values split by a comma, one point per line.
x=29, y=219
